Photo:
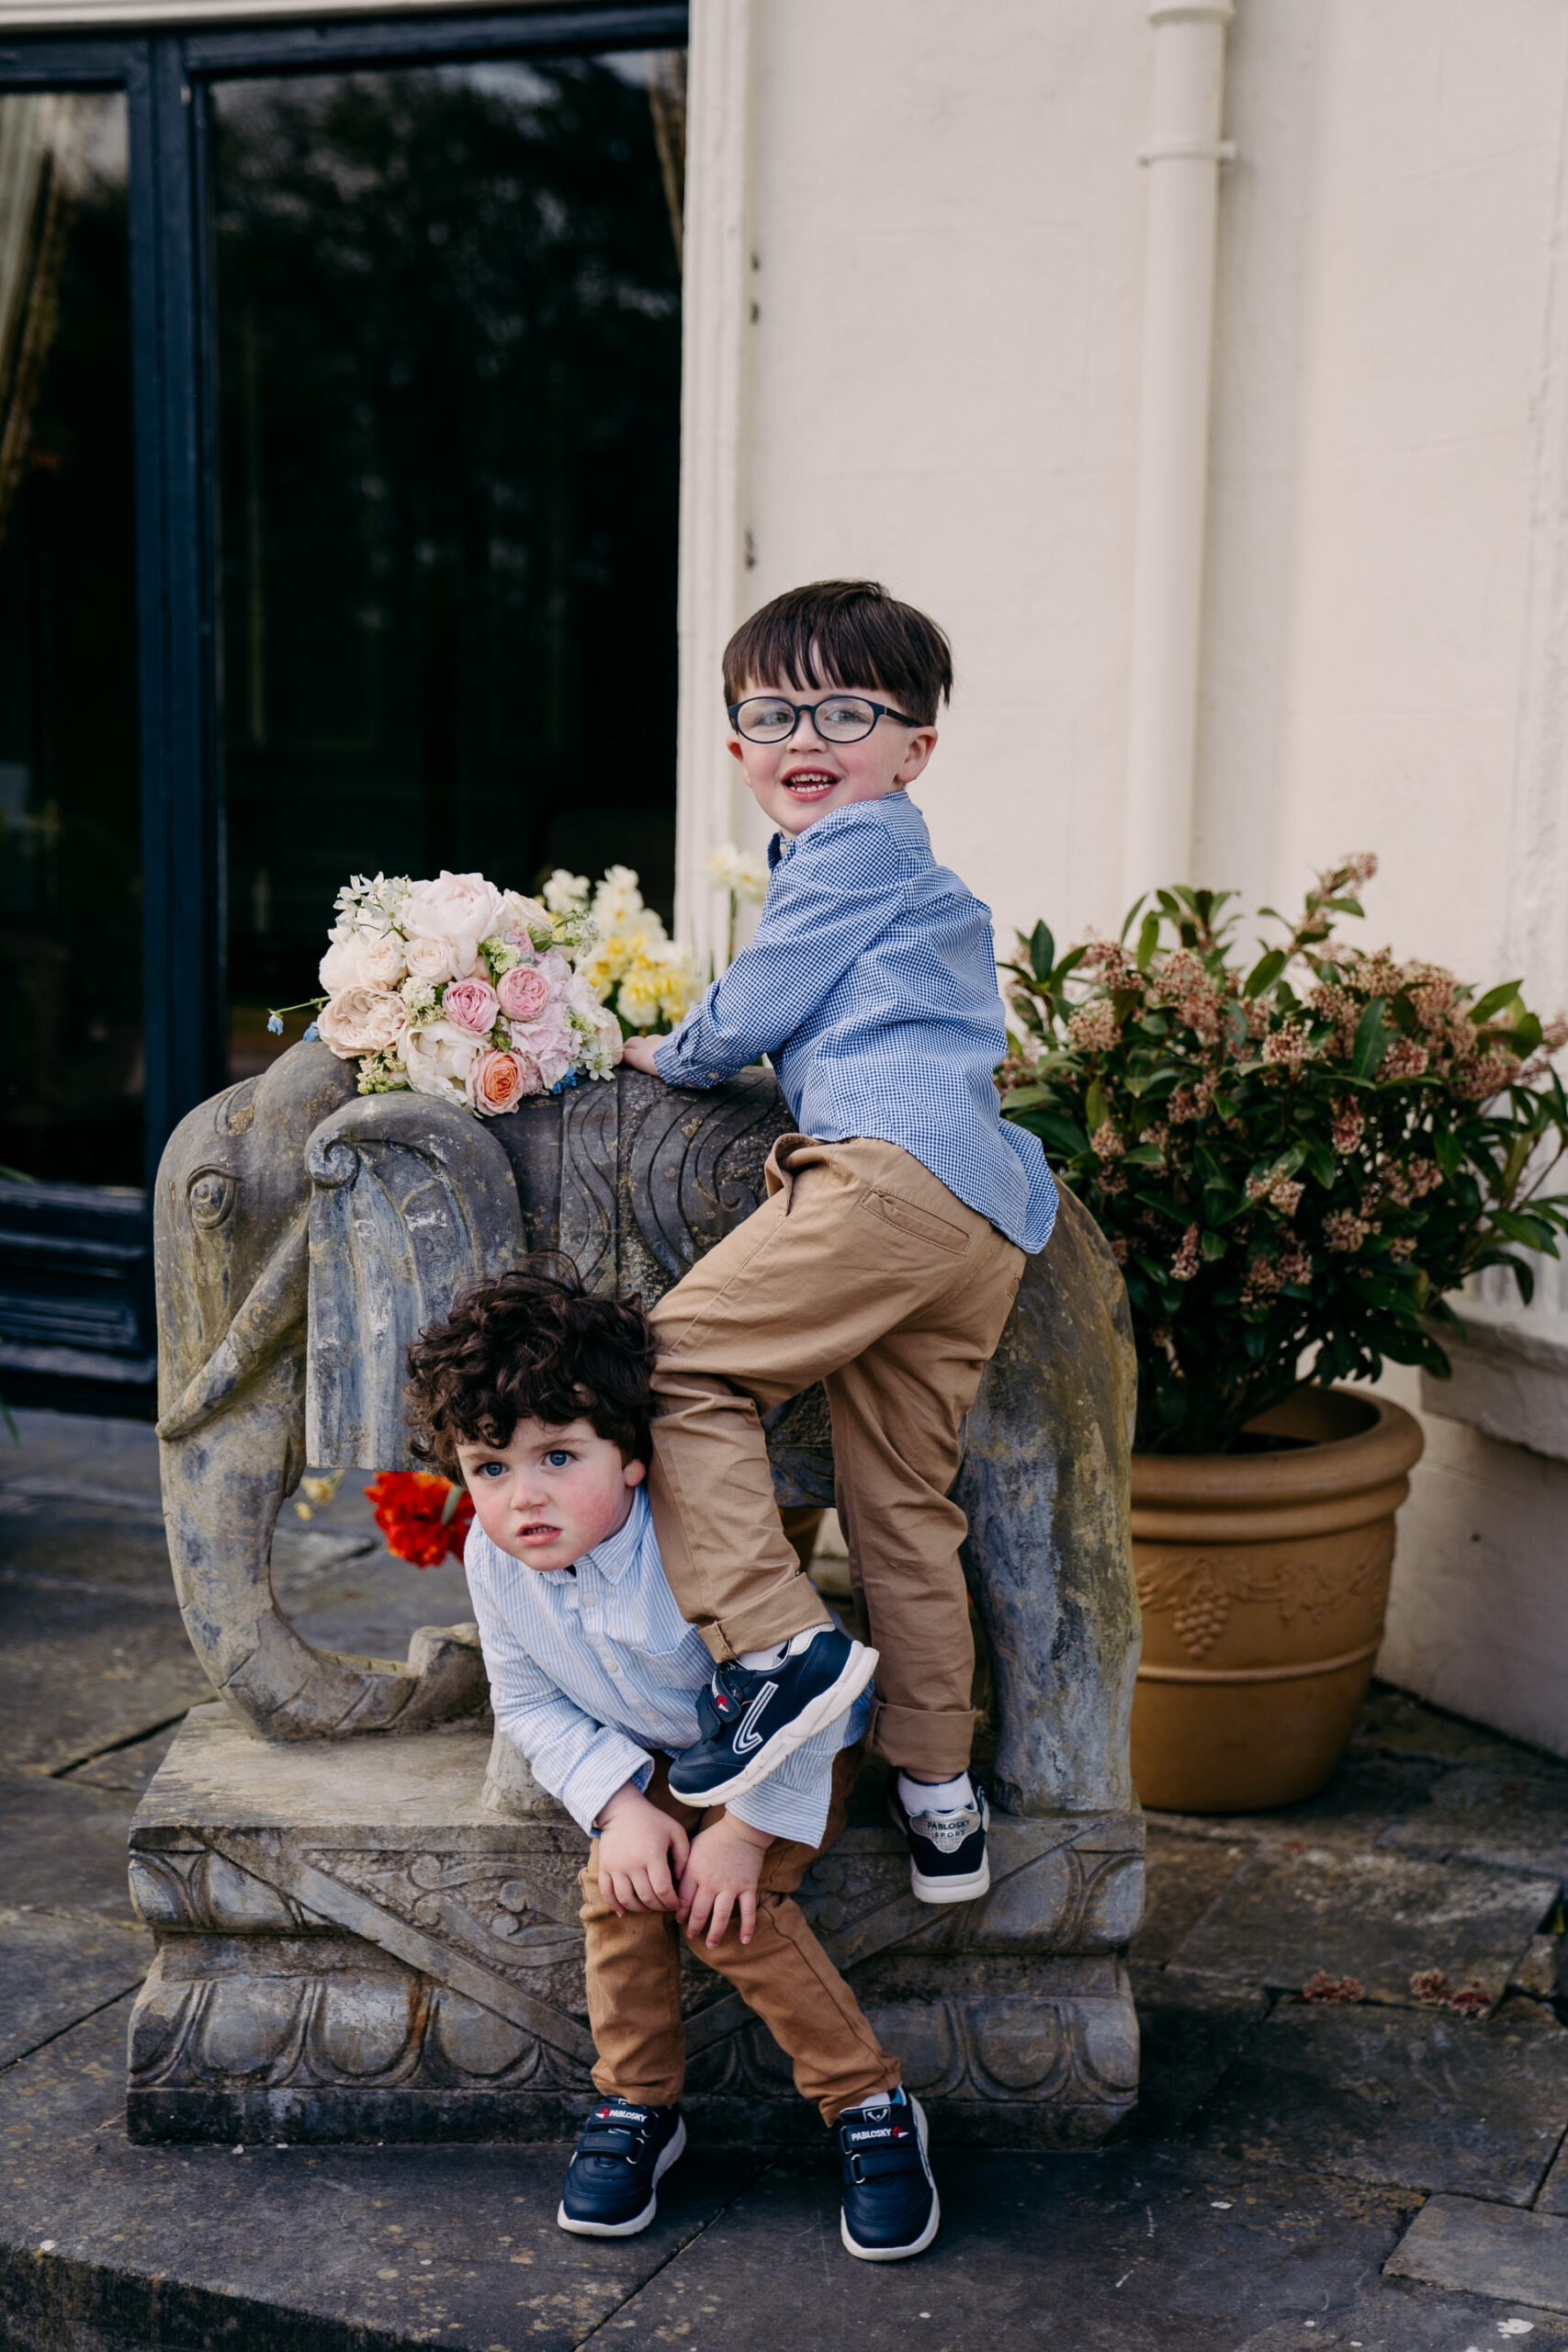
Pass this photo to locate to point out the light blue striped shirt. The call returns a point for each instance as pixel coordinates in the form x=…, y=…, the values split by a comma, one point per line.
x=871, y=987
x=594, y=1671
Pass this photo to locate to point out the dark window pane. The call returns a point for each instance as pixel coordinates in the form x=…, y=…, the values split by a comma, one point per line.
x=449, y=353
x=71, y=1060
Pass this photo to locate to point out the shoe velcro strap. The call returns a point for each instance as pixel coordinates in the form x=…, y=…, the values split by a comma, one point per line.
x=878, y=2163
x=611, y=2139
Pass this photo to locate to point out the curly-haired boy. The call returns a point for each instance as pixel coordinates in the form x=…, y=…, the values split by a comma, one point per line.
x=538, y=1396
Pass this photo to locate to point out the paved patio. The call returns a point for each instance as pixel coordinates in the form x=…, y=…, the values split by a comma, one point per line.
x=1372, y=2171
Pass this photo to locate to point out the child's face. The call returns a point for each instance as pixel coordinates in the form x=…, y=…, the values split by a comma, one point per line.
x=551, y=1494
x=796, y=781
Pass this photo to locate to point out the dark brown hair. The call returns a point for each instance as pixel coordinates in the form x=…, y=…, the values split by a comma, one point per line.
x=854, y=632
x=531, y=1346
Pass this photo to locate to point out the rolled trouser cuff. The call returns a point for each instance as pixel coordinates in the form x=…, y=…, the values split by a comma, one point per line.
x=918, y=1739
x=793, y=1607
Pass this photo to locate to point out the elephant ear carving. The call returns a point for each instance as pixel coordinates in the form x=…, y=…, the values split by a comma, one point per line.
x=412, y=1200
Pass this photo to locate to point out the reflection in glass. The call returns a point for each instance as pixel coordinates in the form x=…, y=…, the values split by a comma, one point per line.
x=71, y=1061
x=448, y=325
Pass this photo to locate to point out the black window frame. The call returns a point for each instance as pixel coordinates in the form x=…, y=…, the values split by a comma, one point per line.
x=167, y=74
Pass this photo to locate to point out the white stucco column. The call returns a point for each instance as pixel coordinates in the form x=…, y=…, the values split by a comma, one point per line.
x=1183, y=157
x=717, y=333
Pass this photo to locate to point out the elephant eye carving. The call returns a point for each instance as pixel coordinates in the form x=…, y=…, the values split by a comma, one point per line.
x=210, y=1196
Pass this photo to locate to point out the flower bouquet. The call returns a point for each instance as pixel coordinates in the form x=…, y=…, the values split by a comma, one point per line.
x=456, y=990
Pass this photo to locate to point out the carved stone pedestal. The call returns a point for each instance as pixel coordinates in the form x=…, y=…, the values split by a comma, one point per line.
x=349, y=1947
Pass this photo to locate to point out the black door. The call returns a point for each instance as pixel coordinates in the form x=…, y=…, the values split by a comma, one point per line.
x=339, y=403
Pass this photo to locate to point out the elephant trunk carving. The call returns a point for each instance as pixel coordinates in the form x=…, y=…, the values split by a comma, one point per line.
x=233, y=1220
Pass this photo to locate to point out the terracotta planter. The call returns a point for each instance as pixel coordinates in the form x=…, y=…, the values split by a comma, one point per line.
x=1263, y=1579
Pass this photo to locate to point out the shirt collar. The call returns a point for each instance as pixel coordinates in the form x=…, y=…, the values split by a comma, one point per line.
x=895, y=808
x=619, y=1552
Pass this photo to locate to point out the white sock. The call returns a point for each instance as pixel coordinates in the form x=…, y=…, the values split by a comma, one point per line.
x=941, y=1796
x=757, y=1661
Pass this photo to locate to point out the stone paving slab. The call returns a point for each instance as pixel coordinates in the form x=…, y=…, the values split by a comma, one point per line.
x=1465, y=2243
x=64, y=1845
x=1373, y=1915
x=1394, y=1723
x=56, y=1966
x=1182, y=1876
x=127, y=1769
x=1190, y=2028
x=1400, y=2316
x=318, y=2250
x=86, y=1668
x=1554, y=2198
x=1413, y=2096
x=1518, y=1820
x=297, y=2250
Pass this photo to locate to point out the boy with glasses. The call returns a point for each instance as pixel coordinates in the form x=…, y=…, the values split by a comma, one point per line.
x=887, y=1257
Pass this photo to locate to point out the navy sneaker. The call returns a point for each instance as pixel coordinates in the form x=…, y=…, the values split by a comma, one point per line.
x=891, y=2207
x=612, y=2182
x=752, y=1719
x=948, y=1862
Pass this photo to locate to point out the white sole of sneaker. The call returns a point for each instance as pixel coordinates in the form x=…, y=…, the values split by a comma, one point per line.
x=640, y=2221
x=951, y=1889
x=825, y=1709
x=918, y=2245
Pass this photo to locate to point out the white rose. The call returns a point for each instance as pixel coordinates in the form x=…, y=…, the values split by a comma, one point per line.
x=611, y=1043
x=436, y=1059
x=431, y=959
x=362, y=1021
x=460, y=908
x=340, y=966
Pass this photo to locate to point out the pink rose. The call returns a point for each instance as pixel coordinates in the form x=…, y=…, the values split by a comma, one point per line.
x=362, y=1021
x=525, y=991
x=471, y=1004
x=498, y=1082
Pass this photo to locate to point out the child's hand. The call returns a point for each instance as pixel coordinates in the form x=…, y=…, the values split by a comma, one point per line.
x=642, y=1852
x=637, y=1054
x=721, y=1872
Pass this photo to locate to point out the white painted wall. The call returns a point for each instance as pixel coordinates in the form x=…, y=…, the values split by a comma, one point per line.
x=941, y=388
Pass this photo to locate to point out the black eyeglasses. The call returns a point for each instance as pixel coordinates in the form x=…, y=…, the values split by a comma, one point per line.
x=837, y=718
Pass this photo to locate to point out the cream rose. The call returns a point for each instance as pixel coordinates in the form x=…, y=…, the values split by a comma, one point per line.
x=363, y=959
x=522, y=915
x=362, y=1021
x=459, y=908
x=437, y=1059
x=430, y=959
x=611, y=1044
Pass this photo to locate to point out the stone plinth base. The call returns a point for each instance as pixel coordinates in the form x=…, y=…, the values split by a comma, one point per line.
x=350, y=1947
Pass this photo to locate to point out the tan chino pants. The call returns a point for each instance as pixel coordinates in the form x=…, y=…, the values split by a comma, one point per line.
x=863, y=1271
x=783, y=1975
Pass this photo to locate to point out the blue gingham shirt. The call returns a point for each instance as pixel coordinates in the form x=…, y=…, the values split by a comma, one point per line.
x=594, y=1671
x=871, y=985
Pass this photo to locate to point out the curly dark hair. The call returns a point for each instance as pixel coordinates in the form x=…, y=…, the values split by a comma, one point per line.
x=534, y=1345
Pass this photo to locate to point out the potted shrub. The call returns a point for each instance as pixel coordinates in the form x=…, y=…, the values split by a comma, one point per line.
x=1294, y=1159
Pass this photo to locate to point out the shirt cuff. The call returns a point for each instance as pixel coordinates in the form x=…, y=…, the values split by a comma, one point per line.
x=785, y=1813
x=588, y=1788
x=669, y=1060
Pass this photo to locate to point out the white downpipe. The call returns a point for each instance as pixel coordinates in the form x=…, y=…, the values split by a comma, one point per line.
x=717, y=301
x=1183, y=157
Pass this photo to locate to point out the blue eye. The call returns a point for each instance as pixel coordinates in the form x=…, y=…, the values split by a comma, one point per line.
x=492, y=1469
x=557, y=1458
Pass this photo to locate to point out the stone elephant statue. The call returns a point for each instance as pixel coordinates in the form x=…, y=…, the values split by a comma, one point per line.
x=305, y=1234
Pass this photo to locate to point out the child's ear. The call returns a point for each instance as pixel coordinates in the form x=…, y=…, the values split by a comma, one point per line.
x=735, y=748
x=634, y=1472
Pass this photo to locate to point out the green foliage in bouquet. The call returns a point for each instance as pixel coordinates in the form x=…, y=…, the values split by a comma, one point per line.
x=1302, y=1155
